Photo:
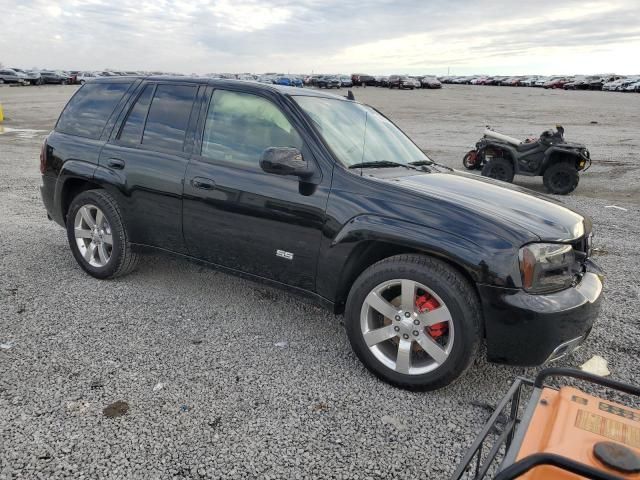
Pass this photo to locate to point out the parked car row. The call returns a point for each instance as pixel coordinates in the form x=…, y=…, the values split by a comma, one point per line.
x=59, y=77
x=608, y=82
x=402, y=82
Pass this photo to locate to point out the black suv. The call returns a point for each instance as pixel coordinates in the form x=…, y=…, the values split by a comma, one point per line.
x=328, y=82
x=402, y=82
x=326, y=197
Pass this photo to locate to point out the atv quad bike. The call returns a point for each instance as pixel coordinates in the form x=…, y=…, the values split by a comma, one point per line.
x=501, y=157
x=560, y=434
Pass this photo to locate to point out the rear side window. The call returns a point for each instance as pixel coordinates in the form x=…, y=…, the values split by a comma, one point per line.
x=131, y=132
x=168, y=117
x=87, y=112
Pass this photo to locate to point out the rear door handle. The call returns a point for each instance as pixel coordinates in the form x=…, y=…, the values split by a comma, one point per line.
x=116, y=163
x=203, y=183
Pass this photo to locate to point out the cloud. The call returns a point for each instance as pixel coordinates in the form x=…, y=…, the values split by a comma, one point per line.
x=378, y=36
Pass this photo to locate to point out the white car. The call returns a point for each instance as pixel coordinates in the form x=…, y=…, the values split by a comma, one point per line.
x=613, y=85
x=84, y=77
x=529, y=82
x=633, y=87
x=541, y=81
x=622, y=86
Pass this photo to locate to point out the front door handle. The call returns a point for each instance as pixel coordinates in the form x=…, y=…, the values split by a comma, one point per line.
x=116, y=163
x=203, y=183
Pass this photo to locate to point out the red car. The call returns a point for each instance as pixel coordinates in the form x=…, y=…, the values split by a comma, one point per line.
x=557, y=82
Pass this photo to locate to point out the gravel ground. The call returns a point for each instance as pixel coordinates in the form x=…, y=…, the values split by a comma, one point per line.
x=225, y=378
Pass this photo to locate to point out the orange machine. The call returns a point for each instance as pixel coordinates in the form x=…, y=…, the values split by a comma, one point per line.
x=562, y=434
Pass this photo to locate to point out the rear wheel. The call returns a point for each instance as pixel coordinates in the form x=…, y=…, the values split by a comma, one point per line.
x=97, y=236
x=561, y=178
x=499, y=168
x=413, y=321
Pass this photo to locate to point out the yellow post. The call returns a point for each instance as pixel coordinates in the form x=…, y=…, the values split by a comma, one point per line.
x=1, y=114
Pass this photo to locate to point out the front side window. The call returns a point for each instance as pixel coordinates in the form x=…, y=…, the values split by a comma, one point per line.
x=168, y=117
x=240, y=126
x=89, y=109
x=357, y=133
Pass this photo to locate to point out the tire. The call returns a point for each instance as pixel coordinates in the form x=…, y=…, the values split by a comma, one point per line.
x=499, y=168
x=1, y=81
x=457, y=345
x=561, y=178
x=467, y=160
x=120, y=259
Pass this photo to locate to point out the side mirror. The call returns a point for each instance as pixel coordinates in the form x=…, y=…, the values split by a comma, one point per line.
x=285, y=161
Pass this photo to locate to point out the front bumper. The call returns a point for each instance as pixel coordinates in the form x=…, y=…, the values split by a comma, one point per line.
x=524, y=329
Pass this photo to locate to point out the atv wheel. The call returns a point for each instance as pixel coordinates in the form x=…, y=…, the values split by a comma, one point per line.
x=470, y=160
x=498, y=168
x=561, y=178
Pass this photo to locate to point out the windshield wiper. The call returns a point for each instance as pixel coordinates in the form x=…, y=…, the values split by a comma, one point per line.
x=382, y=164
x=430, y=163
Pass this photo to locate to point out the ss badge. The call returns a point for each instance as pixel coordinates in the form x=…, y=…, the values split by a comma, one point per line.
x=283, y=254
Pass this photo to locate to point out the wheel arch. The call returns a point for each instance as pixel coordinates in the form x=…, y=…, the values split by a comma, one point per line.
x=370, y=252
x=554, y=155
x=368, y=240
x=508, y=152
x=71, y=188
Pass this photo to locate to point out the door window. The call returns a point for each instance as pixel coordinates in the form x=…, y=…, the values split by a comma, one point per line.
x=168, y=117
x=240, y=126
x=131, y=132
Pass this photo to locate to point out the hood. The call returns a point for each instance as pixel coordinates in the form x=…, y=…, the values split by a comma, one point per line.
x=540, y=215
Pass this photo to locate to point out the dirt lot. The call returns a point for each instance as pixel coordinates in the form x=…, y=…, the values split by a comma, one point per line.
x=228, y=379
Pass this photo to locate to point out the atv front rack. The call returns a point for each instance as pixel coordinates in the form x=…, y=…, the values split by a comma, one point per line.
x=508, y=432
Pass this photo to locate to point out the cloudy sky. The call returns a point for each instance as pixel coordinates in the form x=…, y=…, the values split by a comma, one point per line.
x=373, y=36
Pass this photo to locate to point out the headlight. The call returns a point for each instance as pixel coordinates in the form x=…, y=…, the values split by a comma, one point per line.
x=547, y=267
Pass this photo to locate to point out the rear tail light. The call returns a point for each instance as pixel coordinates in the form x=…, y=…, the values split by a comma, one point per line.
x=43, y=157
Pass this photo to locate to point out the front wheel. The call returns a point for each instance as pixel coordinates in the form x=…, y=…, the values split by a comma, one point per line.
x=499, y=168
x=561, y=178
x=97, y=235
x=413, y=321
x=470, y=160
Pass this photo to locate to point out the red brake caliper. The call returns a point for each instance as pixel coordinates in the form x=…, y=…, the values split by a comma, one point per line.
x=426, y=303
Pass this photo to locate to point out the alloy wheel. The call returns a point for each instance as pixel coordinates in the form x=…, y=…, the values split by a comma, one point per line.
x=93, y=235
x=407, y=326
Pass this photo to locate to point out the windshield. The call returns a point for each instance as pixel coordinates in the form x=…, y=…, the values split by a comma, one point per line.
x=357, y=133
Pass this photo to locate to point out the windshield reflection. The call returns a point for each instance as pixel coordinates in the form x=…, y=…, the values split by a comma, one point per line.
x=357, y=133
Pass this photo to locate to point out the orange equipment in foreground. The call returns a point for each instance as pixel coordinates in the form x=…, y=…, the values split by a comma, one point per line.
x=562, y=434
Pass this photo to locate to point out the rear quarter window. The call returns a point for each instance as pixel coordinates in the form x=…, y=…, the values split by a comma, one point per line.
x=89, y=109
